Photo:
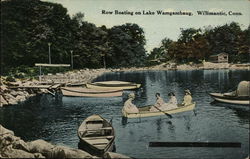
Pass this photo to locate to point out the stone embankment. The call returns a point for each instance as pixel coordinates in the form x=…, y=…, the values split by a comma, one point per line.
x=10, y=96
x=12, y=146
x=11, y=93
x=76, y=76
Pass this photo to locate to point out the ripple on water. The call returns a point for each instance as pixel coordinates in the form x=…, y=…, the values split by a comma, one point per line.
x=57, y=119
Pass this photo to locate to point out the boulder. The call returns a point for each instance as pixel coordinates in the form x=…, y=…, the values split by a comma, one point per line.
x=15, y=153
x=3, y=88
x=65, y=152
x=13, y=93
x=10, y=99
x=2, y=101
x=40, y=146
x=17, y=83
x=20, y=144
x=112, y=155
x=20, y=98
x=5, y=131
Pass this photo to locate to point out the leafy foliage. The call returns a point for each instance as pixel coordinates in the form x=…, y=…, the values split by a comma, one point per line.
x=28, y=26
x=197, y=44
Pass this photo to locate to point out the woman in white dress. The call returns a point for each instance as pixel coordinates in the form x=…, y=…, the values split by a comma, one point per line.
x=172, y=103
x=129, y=107
x=159, y=103
x=187, y=98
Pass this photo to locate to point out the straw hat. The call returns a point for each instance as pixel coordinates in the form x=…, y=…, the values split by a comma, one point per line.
x=188, y=91
x=131, y=95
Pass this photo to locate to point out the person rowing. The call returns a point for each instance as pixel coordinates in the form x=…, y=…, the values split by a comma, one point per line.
x=158, y=104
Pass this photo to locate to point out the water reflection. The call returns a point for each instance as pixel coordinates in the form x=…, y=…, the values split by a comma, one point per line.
x=57, y=119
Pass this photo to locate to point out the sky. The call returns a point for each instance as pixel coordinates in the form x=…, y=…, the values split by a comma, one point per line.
x=158, y=27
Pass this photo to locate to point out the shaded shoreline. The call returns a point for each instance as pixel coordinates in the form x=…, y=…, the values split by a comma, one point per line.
x=10, y=96
x=12, y=146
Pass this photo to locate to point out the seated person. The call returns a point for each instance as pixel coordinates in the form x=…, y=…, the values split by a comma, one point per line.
x=172, y=103
x=129, y=107
x=159, y=103
x=187, y=98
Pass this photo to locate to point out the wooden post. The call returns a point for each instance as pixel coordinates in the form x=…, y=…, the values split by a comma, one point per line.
x=72, y=65
x=40, y=76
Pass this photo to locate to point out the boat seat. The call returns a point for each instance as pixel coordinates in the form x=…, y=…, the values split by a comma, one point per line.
x=102, y=128
x=101, y=146
x=98, y=141
x=98, y=137
x=106, y=128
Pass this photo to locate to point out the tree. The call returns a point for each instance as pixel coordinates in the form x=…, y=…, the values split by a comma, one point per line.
x=127, y=46
x=27, y=28
x=197, y=44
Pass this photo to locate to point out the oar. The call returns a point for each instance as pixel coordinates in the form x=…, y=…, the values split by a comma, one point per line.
x=170, y=116
x=111, y=121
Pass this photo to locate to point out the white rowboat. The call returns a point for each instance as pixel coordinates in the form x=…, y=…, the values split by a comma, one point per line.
x=86, y=92
x=144, y=111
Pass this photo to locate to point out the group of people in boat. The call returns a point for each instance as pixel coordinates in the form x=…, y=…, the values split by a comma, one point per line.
x=160, y=104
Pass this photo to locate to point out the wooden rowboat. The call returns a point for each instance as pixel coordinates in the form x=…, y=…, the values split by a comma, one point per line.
x=144, y=111
x=117, y=85
x=96, y=135
x=86, y=92
x=239, y=96
x=222, y=97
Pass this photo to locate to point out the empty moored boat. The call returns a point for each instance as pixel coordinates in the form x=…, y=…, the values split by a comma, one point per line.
x=86, y=92
x=144, y=111
x=117, y=85
x=96, y=135
x=240, y=96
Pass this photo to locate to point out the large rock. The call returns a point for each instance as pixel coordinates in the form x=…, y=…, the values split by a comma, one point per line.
x=20, y=98
x=20, y=144
x=10, y=99
x=41, y=146
x=13, y=93
x=65, y=152
x=2, y=101
x=112, y=155
x=5, y=131
x=15, y=153
x=3, y=88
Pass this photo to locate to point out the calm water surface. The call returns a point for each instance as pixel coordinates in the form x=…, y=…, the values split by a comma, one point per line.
x=56, y=119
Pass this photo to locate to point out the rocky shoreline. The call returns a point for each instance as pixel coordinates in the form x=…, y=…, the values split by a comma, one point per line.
x=12, y=146
x=11, y=95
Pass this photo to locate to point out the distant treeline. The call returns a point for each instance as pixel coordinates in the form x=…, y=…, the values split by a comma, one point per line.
x=28, y=26
x=195, y=45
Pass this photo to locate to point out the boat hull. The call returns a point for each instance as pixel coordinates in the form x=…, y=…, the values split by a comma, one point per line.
x=84, y=92
x=94, y=151
x=91, y=142
x=147, y=113
x=115, y=85
x=230, y=99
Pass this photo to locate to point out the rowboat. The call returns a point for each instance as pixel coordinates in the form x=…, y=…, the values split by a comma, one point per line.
x=118, y=85
x=86, y=92
x=96, y=135
x=240, y=96
x=223, y=97
x=144, y=111
x=75, y=84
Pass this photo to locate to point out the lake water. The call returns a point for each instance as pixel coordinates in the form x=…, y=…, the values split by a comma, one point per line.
x=56, y=119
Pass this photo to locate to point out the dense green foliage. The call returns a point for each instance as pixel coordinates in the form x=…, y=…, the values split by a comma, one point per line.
x=28, y=26
x=195, y=45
